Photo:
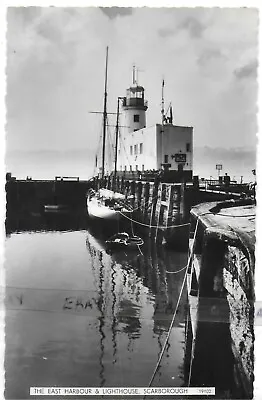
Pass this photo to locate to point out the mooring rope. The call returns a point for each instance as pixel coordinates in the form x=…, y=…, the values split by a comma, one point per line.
x=177, y=305
x=138, y=246
x=176, y=272
x=154, y=226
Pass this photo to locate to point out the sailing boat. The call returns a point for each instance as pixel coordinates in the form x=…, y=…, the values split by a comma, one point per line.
x=107, y=204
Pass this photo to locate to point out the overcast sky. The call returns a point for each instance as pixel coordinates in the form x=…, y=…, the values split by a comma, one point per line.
x=56, y=62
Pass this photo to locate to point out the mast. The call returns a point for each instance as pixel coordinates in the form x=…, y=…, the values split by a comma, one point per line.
x=104, y=118
x=117, y=129
x=163, y=121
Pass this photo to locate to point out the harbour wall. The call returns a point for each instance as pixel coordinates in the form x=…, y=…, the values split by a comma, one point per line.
x=164, y=208
x=223, y=283
x=33, y=195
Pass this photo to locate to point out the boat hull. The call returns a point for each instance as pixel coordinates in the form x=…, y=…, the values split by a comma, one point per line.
x=102, y=212
x=108, y=220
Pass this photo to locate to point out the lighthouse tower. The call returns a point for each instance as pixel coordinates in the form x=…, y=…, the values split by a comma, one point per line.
x=134, y=106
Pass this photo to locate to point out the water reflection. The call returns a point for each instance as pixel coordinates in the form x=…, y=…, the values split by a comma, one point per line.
x=78, y=316
x=142, y=292
x=64, y=220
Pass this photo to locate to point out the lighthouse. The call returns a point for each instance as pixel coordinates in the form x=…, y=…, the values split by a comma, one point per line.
x=134, y=106
x=161, y=147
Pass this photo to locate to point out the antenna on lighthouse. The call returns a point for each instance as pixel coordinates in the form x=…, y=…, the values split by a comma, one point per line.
x=163, y=103
x=134, y=75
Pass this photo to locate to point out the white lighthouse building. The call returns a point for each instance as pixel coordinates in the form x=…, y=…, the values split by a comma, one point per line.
x=144, y=150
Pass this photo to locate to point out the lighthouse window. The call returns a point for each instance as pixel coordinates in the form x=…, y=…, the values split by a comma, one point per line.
x=135, y=149
x=136, y=117
x=131, y=150
x=188, y=147
x=166, y=159
x=141, y=148
x=143, y=167
x=130, y=167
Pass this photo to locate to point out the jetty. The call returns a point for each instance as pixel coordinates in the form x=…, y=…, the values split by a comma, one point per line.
x=221, y=296
x=160, y=206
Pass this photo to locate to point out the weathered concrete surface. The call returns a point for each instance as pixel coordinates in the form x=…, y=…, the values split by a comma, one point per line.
x=226, y=242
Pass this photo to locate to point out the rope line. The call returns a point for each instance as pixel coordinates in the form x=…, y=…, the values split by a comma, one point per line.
x=154, y=226
x=175, y=312
x=176, y=272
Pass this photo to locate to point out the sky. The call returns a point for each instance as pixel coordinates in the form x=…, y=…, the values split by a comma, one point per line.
x=55, y=72
x=56, y=63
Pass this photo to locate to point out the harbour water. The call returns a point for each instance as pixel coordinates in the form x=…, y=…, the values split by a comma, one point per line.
x=78, y=316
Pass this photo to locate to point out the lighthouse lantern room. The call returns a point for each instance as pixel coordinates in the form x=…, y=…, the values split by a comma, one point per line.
x=134, y=106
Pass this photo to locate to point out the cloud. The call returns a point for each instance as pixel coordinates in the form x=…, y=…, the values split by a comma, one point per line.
x=113, y=12
x=194, y=27
x=165, y=32
x=208, y=55
x=247, y=71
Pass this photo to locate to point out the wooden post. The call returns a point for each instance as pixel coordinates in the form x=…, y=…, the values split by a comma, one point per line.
x=170, y=200
x=112, y=183
x=96, y=183
x=176, y=204
x=160, y=218
x=108, y=183
x=195, y=182
x=127, y=185
x=133, y=192
x=139, y=194
x=146, y=199
x=182, y=202
x=154, y=203
x=122, y=185
x=117, y=184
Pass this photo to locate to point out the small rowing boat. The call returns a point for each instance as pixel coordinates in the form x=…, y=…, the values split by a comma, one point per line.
x=124, y=240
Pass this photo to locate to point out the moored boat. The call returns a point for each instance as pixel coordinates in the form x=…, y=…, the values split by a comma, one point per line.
x=107, y=205
x=124, y=240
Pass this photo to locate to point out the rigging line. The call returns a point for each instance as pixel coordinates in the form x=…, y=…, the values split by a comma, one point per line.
x=154, y=226
x=97, y=151
x=110, y=141
x=176, y=309
x=127, y=157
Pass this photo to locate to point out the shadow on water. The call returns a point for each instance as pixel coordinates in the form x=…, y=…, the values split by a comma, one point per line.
x=57, y=221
